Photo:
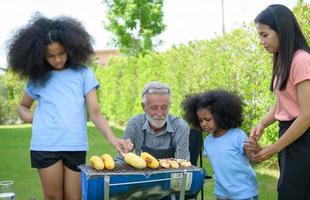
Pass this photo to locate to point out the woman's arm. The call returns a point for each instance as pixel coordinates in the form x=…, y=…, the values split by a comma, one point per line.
x=298, y=127
x=302, y=122
x=267, y=120
x=102, y=125
x=24, y=109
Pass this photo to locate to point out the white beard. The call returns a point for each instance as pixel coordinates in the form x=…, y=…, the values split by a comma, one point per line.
x=157, y=123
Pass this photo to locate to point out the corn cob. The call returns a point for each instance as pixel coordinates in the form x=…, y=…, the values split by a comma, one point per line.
x=96, y=162
x=108, y=161
x=134, y=160
x=150, y=160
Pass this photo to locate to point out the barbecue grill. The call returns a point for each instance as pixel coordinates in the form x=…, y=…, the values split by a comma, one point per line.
x=128, y=183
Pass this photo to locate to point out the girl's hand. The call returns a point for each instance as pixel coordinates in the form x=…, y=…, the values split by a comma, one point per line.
x=122, y=146
x=265, y=153
x=24, y=109
x=257, y=132
x=252, y=145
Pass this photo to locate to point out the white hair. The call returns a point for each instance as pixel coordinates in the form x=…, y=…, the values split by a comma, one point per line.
x=155, y=85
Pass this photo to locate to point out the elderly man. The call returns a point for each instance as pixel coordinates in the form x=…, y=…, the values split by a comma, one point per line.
x=156, y=131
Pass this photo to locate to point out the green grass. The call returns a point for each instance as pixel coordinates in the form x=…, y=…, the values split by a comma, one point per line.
x=15, y=163
x=267, y=181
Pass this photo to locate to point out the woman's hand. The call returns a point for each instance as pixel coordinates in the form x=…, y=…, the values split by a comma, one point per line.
x=251, y=147
x=121, y=145
x=267, y=120
x=265, y=153
x=257, y=131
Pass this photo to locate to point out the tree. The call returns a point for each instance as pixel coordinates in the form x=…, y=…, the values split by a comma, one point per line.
x=135, y=23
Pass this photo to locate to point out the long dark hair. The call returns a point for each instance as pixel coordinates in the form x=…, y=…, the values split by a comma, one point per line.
x=282, y=20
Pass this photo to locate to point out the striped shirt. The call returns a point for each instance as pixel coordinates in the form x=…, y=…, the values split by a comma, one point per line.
x=138, y=127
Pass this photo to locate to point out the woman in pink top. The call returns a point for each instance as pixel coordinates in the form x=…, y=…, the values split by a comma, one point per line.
x=281, y=35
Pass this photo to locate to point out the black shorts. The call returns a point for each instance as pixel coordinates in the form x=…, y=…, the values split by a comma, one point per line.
x=71, y=159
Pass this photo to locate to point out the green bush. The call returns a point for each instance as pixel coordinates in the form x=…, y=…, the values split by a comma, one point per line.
x=11, y=89
x=235, y=62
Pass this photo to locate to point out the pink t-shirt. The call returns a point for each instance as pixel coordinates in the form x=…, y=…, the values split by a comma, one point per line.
x=287, y=104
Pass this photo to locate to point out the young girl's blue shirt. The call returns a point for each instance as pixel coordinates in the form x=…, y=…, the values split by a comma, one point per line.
x=234, y=176
x=59, y=119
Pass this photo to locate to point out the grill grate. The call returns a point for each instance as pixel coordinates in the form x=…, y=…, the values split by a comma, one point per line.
x=121, y=168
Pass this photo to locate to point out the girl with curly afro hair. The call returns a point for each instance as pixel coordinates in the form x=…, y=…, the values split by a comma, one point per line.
x=219, y=113
x=52, y=54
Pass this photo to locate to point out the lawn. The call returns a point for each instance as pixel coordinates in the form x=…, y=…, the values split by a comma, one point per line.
x=15, y=163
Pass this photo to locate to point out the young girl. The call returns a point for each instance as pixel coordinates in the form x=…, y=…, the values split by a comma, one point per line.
x=281, y=36
x=52, y=54
x=219, y=112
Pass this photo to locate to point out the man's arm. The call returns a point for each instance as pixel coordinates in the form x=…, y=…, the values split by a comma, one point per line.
x=182, y=140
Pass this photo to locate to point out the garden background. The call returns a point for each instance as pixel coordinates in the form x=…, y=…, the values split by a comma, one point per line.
x=235, y=61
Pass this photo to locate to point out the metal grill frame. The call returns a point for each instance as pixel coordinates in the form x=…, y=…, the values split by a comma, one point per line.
x=124, y=169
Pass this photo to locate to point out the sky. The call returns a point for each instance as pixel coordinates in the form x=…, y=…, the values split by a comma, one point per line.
x=186, y=20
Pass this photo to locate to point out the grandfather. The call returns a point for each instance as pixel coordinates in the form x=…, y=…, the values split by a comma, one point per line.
x=156, y=131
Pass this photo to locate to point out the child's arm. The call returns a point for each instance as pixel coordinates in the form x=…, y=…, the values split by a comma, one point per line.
x=251, y=147
x=24, y=109
x=102, y=125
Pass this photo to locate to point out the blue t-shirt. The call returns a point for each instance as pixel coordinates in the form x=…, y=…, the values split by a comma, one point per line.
x=234, y=176
x=59, y=119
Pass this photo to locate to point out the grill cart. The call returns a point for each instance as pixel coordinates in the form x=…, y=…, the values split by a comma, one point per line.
x=128, y=183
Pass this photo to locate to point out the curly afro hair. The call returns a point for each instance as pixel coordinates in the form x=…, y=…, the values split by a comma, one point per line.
x=27, y=47
x=225, y=106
